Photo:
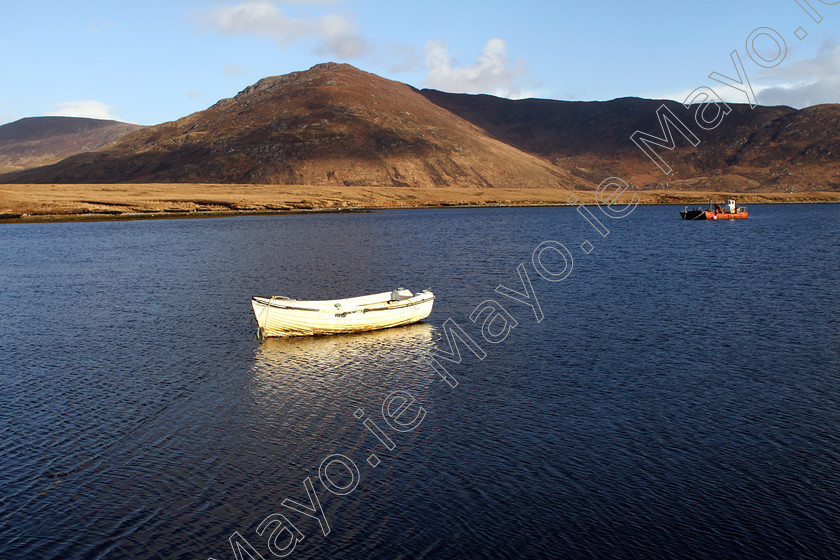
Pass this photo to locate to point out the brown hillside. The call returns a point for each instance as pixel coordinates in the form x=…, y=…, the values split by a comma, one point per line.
x=766, y=148
x=335, y=125
x=38, y=141
x=330, y=125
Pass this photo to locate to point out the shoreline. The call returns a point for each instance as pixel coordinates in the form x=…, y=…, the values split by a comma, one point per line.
x=124, y=202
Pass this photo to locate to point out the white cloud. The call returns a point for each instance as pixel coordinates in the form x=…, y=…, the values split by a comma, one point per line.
x=797, y=84
x=493, y=72
x=806, y=82
x=258, y=18
x=340, y=36
x=334, y=33
x=88, y=108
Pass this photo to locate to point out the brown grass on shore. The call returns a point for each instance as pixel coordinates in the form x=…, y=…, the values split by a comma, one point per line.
x=126, y=201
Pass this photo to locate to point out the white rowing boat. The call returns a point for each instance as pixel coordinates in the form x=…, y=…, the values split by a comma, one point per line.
x=280, y=316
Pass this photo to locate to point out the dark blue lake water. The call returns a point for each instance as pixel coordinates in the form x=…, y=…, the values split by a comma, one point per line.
x=679, y=399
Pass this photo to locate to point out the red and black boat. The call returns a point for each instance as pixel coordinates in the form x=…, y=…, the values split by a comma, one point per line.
x=716, y=213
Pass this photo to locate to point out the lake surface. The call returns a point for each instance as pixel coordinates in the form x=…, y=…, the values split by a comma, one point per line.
x=679, y=399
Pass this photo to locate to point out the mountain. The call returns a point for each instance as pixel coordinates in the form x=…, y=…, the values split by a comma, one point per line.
x=336, y=125
x=765, y=148
x=330, y=125
x=37, y=141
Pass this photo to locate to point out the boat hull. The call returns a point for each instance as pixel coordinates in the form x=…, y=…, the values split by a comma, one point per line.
x=709, y=215
x=693, y=215
x=729, y=216
x=279, y=317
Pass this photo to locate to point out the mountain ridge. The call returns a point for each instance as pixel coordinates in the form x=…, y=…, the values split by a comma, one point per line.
x=751, y=148
x=336, y=125
x=33, y=141
x=330, y=125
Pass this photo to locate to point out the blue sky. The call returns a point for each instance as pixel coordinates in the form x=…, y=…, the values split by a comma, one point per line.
x=153, y=61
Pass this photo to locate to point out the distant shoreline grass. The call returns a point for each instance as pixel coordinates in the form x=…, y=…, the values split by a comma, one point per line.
x=105, y=202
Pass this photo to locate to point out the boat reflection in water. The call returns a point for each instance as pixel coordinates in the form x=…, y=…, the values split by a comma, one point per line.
x=320, y=377
x=332, y=356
